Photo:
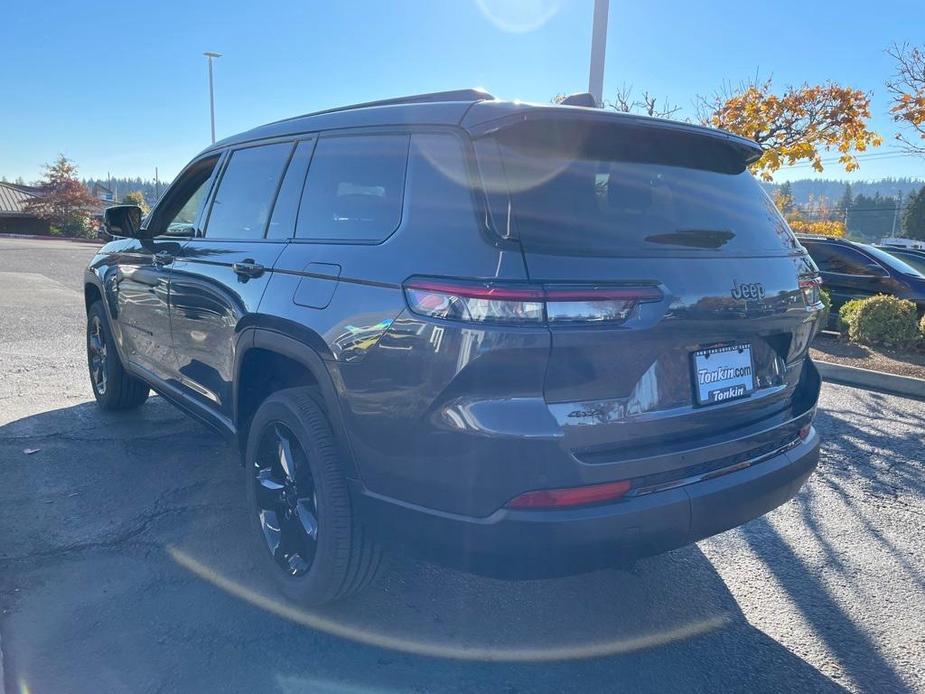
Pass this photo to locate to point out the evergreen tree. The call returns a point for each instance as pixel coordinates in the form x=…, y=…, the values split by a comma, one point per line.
x=914, y=217
x=844, y=203
x=784, y=198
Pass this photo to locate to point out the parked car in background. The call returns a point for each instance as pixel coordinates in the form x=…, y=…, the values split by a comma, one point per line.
x=911, y=256
x=519, y=339
x=853, y=270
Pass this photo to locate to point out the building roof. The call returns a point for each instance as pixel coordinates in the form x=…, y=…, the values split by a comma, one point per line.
x=13, y=199
x=474, y=110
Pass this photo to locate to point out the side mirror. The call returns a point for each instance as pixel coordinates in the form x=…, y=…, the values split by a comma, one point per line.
x=122, y=220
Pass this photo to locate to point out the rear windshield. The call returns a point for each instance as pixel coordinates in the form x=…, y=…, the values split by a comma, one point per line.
x=605, y=190
x=897, y=263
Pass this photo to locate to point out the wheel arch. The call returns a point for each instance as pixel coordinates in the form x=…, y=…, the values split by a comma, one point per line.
x=259, y=347
x=92, y=294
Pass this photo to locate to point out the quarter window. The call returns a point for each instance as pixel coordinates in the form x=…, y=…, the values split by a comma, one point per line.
x=354, y=189
x=247, y=191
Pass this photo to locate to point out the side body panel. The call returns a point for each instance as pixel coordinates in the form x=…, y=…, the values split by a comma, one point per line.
x=209, y=304
x=390, y=368
x=137, y=279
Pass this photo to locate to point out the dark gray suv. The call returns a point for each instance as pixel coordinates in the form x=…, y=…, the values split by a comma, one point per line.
x=520, y=339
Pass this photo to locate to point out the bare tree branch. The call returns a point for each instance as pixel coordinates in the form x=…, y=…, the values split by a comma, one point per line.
x=624, y=102
x=907, y=92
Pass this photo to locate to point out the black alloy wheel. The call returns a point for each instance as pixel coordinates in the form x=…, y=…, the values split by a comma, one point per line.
x=287, y=502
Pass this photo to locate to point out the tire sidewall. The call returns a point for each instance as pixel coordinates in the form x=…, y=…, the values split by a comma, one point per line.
x=333, y=526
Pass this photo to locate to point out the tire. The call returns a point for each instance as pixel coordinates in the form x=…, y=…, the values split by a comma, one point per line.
x=290, y=431
x=113, y=387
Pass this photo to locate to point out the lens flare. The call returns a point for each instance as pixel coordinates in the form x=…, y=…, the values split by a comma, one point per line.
x=452, y=651
x=518, y=16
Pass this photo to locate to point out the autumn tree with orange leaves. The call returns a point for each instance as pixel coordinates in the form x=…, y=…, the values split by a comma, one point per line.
x=907, y=89
x=818, y=211
x=796, y=125
x=65, y=202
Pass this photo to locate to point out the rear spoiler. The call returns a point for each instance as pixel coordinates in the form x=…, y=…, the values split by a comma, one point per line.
x=489, y=118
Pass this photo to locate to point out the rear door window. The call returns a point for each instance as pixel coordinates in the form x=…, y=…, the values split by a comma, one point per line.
x=842, y=260
x=587, y=190
x=247, y=191
x=354, y=189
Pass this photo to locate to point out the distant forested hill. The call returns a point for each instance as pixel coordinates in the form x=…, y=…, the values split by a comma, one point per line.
x=833, y=189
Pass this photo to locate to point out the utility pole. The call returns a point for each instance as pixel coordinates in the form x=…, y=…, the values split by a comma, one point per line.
x=211, y=55
x=598, y=46
x=899, y=202
x=157, y=186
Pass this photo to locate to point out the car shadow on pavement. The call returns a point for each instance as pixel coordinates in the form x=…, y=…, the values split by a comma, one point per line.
x=126, y=565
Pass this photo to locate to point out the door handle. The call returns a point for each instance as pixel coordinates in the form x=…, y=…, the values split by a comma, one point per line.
x=248, y=268
x=163, y=258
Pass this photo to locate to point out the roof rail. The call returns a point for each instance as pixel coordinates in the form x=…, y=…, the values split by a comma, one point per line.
x=432, y=97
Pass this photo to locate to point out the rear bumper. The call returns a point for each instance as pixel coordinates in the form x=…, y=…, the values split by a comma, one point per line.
x=561, y=542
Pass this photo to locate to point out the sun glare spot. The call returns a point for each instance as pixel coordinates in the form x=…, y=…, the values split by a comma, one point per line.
x=518, y=16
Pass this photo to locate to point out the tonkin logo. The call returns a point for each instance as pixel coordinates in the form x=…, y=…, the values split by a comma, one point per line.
x=750, y=291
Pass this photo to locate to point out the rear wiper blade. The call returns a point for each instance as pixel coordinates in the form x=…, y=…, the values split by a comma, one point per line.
x=694, y=238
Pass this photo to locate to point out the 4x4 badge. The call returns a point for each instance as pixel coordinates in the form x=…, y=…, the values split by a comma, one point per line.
x=748, y=291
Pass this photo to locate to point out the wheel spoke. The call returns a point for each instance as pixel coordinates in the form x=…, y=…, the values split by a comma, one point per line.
x=284, y=450
x=297, y=565
x=269, y=491
x=269, y=523
x=307, y=519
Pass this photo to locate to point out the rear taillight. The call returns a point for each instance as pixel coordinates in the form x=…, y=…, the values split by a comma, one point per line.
x=809, y=287
x=524, y=303
x=571, y=496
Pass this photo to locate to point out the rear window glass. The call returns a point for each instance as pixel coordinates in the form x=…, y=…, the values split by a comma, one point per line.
x=595, y=194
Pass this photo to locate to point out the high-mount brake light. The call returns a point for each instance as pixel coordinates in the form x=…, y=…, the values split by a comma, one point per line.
x=526, y=304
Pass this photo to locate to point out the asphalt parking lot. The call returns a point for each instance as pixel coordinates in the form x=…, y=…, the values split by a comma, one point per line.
x=124, y=564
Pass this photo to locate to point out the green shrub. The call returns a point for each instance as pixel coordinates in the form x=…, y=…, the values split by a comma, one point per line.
x=846, y=315
x=826, y=300
x=826, y=316
x=922, y=326
x=885, y=320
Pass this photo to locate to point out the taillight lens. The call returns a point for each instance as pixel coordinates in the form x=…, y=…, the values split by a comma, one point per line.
x=475, y=302
x=571, y=496
x=510, y=303
x=809, y=287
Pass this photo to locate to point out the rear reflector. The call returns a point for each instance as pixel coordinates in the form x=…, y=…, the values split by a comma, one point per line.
x=571, y=496
x=523, y=303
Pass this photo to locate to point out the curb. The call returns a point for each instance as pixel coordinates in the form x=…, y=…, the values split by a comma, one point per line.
x=41, y=237
x=872, y=380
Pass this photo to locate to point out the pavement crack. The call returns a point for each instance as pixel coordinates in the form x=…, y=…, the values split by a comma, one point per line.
x=126, y=537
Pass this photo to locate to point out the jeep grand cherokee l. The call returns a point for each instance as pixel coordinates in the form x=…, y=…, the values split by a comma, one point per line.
x=521, y=339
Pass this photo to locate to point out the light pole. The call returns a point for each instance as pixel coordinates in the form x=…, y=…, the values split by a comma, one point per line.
x=598, y=44
x=211, y=55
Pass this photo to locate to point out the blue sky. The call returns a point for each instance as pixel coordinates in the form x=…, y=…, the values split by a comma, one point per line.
x=122, y=87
